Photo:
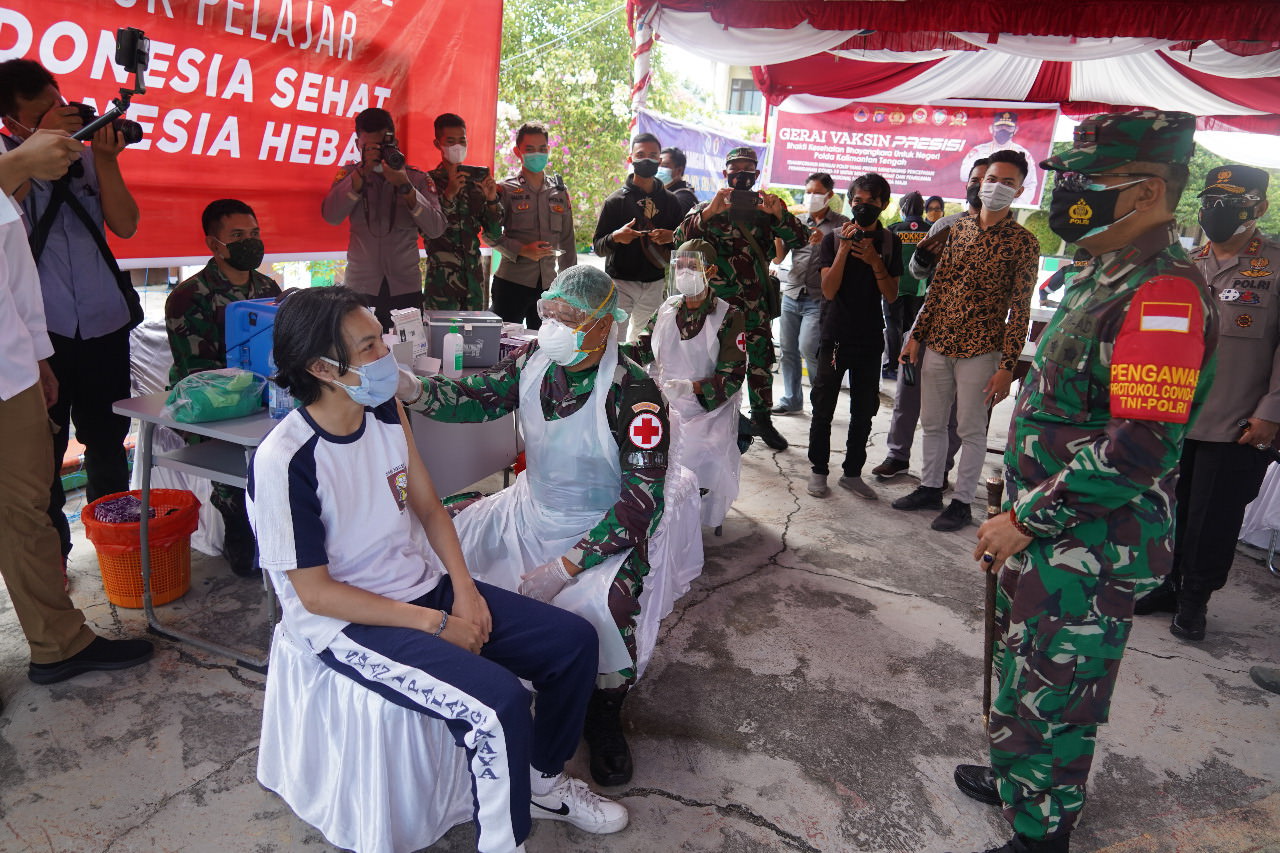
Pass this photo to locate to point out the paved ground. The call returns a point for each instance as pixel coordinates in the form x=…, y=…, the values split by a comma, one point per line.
x=812, y=693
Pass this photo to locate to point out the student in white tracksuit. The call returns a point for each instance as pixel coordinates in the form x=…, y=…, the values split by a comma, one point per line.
x=372, y=580
x=695, y=349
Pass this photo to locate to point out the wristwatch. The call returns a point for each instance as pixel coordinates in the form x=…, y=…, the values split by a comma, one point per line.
x=404, y=189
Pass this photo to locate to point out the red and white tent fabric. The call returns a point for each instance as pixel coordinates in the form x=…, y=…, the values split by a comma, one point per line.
x=1220, y=61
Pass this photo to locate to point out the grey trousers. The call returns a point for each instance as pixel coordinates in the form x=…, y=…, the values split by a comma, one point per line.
x=945, y=380
x=640, y=299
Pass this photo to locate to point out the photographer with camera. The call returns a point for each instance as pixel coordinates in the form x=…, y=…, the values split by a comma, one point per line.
x=741, y=225
x=88, y=309
x=61, y=644
x=469, y=199
x=388, y=203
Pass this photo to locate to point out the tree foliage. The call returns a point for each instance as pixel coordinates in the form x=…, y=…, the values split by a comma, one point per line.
x=567, y=63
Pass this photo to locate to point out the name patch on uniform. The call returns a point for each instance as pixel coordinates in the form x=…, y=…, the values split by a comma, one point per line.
x=1157, y=357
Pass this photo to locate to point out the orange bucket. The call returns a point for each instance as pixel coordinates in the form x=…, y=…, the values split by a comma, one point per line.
x=119, y=548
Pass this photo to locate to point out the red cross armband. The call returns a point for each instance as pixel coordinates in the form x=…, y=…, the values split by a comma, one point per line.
x=1156, y=362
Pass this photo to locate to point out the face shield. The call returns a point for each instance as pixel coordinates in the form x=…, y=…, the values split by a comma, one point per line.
x=687, y=275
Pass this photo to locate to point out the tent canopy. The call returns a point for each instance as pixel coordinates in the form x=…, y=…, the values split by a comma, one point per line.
x=1086, y=56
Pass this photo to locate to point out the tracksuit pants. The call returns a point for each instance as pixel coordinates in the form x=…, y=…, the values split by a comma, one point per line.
x=480, y=697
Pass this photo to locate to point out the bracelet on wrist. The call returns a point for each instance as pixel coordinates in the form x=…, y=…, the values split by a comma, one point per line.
x=444, y=620
x=1019, y=526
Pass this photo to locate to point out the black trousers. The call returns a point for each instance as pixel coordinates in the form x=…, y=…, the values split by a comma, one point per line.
x=1216, y=481
x=515, y=303
x=92, y=374
x=863, y=366
x=383, y=303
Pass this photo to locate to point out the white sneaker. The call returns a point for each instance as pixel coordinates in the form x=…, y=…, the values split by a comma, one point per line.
x=817, y=485
x=571, y=800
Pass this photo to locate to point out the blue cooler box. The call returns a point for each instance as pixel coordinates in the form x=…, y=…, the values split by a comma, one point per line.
x=247, y=329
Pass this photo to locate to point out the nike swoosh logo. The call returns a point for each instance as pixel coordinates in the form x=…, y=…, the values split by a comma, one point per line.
x=563, y=810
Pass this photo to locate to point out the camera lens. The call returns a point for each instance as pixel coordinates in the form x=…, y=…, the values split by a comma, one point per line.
x=130, y=131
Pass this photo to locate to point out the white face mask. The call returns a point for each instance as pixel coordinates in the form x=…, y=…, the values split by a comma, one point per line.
x=813, y=202
x=690, y=283
x=454, y=153
x=996, y=196
x=562, y=344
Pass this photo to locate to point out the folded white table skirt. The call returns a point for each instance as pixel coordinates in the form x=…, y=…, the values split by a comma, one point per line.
x=371, y=776
x=1262, y=517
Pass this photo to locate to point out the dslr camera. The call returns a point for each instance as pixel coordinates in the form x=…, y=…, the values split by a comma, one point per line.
x=133, y=54
x=390, y=153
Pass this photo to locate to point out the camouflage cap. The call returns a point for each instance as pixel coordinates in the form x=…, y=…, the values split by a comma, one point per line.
x=1109, y=140
x=742, y=152
x=704, y=248
x=1234, y=179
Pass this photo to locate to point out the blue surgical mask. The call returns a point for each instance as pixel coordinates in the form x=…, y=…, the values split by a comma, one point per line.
x=378, y=380
x=535, y=161
x=664, y=175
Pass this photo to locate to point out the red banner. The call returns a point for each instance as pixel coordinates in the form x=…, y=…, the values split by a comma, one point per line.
x=929, y=149
x=255, y=99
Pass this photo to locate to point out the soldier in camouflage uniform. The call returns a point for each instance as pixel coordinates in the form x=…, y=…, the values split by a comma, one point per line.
x=593, y=486
x=454, y=278
x=743, y=249
x=1091, y=466
x=194, y=318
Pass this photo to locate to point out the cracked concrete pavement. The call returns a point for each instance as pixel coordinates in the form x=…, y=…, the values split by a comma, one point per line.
x=811, y=692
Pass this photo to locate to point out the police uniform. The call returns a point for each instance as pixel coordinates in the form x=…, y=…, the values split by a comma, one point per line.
x=1007, y=119
x=382, y=252
x=530, y=215
x=1220, y=476
x=1121, y=372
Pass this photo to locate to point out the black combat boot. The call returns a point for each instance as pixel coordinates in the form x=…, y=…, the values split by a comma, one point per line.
x=1189, y=622
x=977, y=781
x=610, y=755
x=767, y=432
x=1162, y=599
x=238, y=544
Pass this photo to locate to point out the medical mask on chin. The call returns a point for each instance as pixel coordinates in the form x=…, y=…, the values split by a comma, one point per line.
x=454, y=153
x=690, y=283
x=997, y=196
x=663, y=174
x=378, y=380
x=814, y=202
x=1220, y=224
x=1080, y=214
x=562, y=344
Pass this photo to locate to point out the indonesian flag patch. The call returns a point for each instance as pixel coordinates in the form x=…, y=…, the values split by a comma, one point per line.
x=1157, y=358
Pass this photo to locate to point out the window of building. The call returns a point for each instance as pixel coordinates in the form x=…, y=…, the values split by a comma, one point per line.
x=744, y=97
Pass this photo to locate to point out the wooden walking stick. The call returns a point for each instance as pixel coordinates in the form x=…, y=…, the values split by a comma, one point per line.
x=995, y=497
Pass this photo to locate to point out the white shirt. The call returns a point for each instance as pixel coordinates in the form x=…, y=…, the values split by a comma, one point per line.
x=316, y=499
x=24, y=338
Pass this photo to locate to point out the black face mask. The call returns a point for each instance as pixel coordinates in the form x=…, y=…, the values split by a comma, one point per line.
x=971, y=196
x=742, y=180
x=644, y=168
x=1220, y=222
x=246, y=254
x=866, y=214
x=1074, y=215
